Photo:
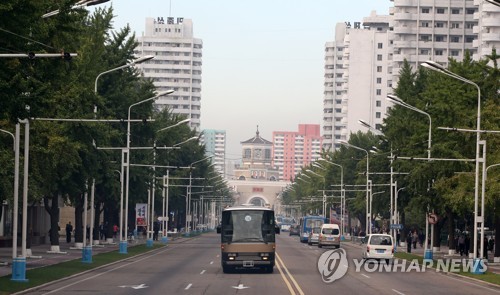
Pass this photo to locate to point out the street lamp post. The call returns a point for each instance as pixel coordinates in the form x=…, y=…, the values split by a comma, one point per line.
x=79, y=4
x=324, y=184
x=428, y=253
x=342, y=196
x=368, y=228
x=188, y=196
x=477, y=219
x=123, y=243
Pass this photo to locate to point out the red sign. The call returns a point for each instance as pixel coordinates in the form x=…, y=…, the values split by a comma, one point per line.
x=257, y=190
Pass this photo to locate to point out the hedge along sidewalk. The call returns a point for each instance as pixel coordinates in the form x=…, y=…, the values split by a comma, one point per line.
x=40, y=276
x=487, y=277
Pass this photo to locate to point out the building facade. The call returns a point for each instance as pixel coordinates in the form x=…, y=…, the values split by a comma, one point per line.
x=293, y=150
x=362, y=65
x=176, y=65
x=256, y=160
x=215, y=145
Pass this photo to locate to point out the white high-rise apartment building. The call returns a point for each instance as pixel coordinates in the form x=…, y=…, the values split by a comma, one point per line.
x=419, y=30
x=177, y=64
x=488, y=29
x=432, y=30
x=356, y=78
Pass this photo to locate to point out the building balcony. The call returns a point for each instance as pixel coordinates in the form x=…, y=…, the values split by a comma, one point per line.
x=491, y=37
x=405, y=30
x=403, y=16
x=404, y=44
x=491, y=22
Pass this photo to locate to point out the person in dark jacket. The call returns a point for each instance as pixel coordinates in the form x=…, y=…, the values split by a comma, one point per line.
x=69, y=230
x=408, y=242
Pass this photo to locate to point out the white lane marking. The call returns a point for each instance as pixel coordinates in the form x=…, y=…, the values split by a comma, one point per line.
x=211, y=262
x=398, y=292
x=365, y=276
x=188, y=286
x=202, y=272
x=108, y=271
x=240, y=287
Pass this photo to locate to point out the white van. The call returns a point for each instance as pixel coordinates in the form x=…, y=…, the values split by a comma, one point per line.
x=378, y=246
x=329, y=235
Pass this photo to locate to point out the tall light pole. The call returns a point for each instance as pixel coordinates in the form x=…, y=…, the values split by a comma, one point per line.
x=428, y=253
x=188, y=194
x=342, y=195
x=477, y=219
x=123, y=243
x=368, y=229
x=324, y=184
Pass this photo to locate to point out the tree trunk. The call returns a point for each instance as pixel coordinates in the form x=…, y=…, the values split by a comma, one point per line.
x=53, y=211
x=451, y=229
x=79, y=219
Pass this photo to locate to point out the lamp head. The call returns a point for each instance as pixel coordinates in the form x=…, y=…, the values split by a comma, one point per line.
x=143, y=59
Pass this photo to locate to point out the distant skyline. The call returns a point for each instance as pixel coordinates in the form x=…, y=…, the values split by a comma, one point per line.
x=263, y=61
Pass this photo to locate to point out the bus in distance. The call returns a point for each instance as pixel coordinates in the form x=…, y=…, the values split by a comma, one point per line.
x=248, y=238
x=307, y=223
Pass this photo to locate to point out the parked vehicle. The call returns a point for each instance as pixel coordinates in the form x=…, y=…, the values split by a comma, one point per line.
x=378, y=246
x=329, y=235
x=294, y=230
x=314, y=235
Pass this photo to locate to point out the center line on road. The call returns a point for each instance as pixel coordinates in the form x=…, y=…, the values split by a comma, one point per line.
x=398, y=292
x=365, y=276
x=188, y=286
x=202, y=272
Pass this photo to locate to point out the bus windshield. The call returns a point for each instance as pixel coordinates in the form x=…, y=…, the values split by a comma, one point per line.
x=247, y=226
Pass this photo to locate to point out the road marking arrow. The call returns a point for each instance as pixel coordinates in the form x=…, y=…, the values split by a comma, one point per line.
x=240, y=287
x=141, y=286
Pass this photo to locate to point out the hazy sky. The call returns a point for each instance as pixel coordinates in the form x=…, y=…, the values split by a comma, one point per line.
x=263, y=60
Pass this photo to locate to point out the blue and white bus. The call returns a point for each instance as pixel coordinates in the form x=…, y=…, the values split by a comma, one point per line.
x=307, y=223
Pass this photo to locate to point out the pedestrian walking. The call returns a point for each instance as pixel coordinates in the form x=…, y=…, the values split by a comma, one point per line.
x=461, y=245
x=414, y=239
x=156, y=229
x=69, y=230
x=102, y=233
x=115, y=230
x=408, y=242
x=466, y=245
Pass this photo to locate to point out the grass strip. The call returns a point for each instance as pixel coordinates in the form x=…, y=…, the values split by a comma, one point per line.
x=489, y=277
x=42, y=275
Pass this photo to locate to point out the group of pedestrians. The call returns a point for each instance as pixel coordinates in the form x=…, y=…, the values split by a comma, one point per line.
x=99, y=233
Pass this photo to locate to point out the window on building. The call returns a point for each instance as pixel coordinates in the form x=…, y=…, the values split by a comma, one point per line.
x=379, y=69
x=469, y=25
x=440, y=38
x=425, y=10
x=379, y=91
x=454, y=53
x=455, y=11
x=380, y=45
x=378, y=103
x=379, y=56
x=440, y=10
x=424, y=24
x=378, y=115
x=424, y=51
x=438, y=52
x=454, y=39
x=379, y=80
x=470, y=11
x=469, y=39
x=247, y=153
x=439, y=25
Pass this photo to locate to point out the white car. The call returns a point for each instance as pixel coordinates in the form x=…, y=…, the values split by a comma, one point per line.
x=378, y=246
x=329, y=235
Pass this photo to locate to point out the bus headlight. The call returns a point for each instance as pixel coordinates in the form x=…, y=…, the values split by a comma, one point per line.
x=264, y=256
x=231, y=256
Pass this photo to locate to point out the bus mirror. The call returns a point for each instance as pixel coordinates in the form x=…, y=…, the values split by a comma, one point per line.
x=277, y=229
x=218, y=229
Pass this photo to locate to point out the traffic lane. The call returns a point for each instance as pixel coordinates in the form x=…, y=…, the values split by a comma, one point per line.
x=301, y=261
x=428, y=282
x=189, y=268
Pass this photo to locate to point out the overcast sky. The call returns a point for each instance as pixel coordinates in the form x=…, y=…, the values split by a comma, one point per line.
x=263, y=60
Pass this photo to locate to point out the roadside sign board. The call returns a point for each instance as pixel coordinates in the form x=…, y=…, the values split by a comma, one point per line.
x=396, y=226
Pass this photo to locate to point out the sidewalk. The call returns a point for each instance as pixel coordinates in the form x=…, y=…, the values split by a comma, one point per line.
x=41, y=257
x=443, y=253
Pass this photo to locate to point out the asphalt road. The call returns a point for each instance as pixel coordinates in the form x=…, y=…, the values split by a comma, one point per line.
x=193, y=267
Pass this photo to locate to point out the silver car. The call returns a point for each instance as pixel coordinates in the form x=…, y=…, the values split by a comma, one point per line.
x=314, y=235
